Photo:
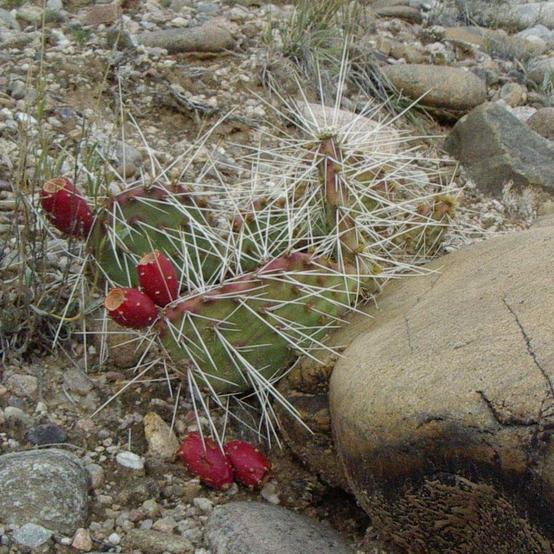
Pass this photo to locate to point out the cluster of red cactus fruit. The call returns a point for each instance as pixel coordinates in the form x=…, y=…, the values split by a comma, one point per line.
x=238, y=461
x=137, y=308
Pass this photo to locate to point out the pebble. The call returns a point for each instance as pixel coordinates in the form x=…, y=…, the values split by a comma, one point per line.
x=130, y=460
x=17, y=415
x=269, y=492
x=96, y=473
x=114, y=538
x=203, y=504
x=46, y=433
x=31, y=535
x=82, y=540
x=25, y=386
x=162, y=442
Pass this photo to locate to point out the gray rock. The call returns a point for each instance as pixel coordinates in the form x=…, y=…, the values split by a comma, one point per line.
x=213, y=36
x=443, y=87
x=539, y=31
x=46, y=433
x=513, y=94
x=128, y=159
x=248, y=527
x=439, y=400
x=7, y=20
x=402, y=12
x=77, y=381
x=155, y=542
x=17, y=416
x=130, y=460
x=46, y=487
x=542, y=122
x=31, y=535
x=495, y=147
x=542, y=71
x=22, y=385
x=522, y=16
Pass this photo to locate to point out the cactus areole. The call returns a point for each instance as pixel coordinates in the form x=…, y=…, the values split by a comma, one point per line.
x=65, y=208
x=131, y=308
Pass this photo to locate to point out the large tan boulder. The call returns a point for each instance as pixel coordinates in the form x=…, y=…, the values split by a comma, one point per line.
x=442, y=407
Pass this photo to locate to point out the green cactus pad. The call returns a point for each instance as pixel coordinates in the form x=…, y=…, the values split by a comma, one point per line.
x=252, y=328
x=141, y=220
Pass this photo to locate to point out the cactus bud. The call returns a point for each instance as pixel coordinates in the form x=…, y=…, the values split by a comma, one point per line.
x=250, y=465
x=206, y=460
x=130, y=307
x=65, y=208
x=158, y=278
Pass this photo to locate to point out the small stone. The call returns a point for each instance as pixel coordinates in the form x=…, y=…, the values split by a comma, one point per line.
x=82, y=540
x=114, y=538
x=165, y=525
x=130, y=460
x=31, y=535
x=203, y=504
x=76, y=381
x=46, y=433
x=191, y=489
x=150, y=507
x=25, y=386
x=96, y=473
x=269, y=492
x=162, y=442
x=17, y=416
x=513, y=94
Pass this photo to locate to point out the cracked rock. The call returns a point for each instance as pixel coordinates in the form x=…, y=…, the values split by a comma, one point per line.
x=442, y=405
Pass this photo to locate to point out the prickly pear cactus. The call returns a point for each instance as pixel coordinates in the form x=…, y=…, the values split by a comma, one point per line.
x=244, y=333
x=140, y=220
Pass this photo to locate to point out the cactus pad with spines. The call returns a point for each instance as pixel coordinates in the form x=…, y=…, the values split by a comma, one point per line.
x=141, y=220
x=250, y=329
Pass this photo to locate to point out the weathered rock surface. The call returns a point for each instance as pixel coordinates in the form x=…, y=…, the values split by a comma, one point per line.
x=495, y=147
x=542, y=122
x=248, y=527
x=213, y=36
x=45, y=487
x=444, y=87
x=442, y=406
x=521, y=16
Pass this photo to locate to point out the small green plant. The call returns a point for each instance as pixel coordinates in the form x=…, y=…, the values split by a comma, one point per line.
x=80, y=34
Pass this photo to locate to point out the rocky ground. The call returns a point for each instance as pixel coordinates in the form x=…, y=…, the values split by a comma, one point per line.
x=140, y=82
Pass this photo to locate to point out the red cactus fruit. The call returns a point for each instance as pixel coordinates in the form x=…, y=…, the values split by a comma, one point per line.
x=250, y=465
x=130, y=307
x=158, y=278
x=206, y=460
x=65, y=208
